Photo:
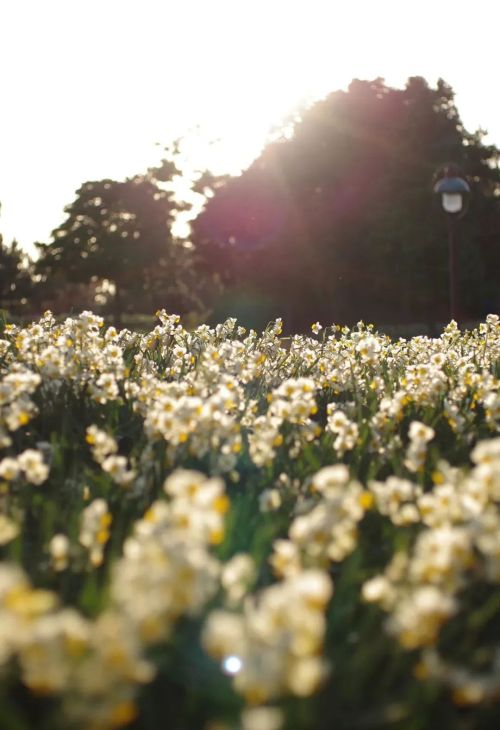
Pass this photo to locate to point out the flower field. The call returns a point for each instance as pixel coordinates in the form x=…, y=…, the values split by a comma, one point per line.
x=218, y=529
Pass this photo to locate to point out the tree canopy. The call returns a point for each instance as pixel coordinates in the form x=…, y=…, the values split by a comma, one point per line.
x=15, y=280
x=118, y=231
x=121, y=232
x=338, y=223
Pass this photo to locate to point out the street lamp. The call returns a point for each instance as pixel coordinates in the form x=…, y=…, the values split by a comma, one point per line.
x=454, y=192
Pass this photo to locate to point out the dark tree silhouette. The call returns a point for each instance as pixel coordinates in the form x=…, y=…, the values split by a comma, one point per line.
x=337, y=223
x=121, y=231
x=16, y=284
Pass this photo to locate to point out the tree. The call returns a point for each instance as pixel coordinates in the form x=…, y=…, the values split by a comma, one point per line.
x=337, y=222
x=120, y=233
x=15, y=280
x=114, y=230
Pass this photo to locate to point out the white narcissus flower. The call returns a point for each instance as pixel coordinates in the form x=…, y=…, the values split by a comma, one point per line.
x=420, y=432
x=9, y=469
x=31, y=463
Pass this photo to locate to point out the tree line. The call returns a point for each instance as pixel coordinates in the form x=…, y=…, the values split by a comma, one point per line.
x=335, y=222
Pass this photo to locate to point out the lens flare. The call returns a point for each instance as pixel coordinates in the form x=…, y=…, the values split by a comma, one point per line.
x=232, y=665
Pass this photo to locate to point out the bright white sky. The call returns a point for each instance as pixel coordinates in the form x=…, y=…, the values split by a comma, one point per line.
x=88, y=86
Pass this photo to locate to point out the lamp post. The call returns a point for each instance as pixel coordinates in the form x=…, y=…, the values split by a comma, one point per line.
x=454, y=193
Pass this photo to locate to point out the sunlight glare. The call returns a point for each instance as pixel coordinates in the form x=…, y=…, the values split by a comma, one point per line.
x=94, y=85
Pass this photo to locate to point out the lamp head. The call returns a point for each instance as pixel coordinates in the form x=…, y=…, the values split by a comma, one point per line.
x=454, y=191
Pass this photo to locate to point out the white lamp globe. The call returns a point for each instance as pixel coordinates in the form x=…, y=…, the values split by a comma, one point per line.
x=452, y=202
